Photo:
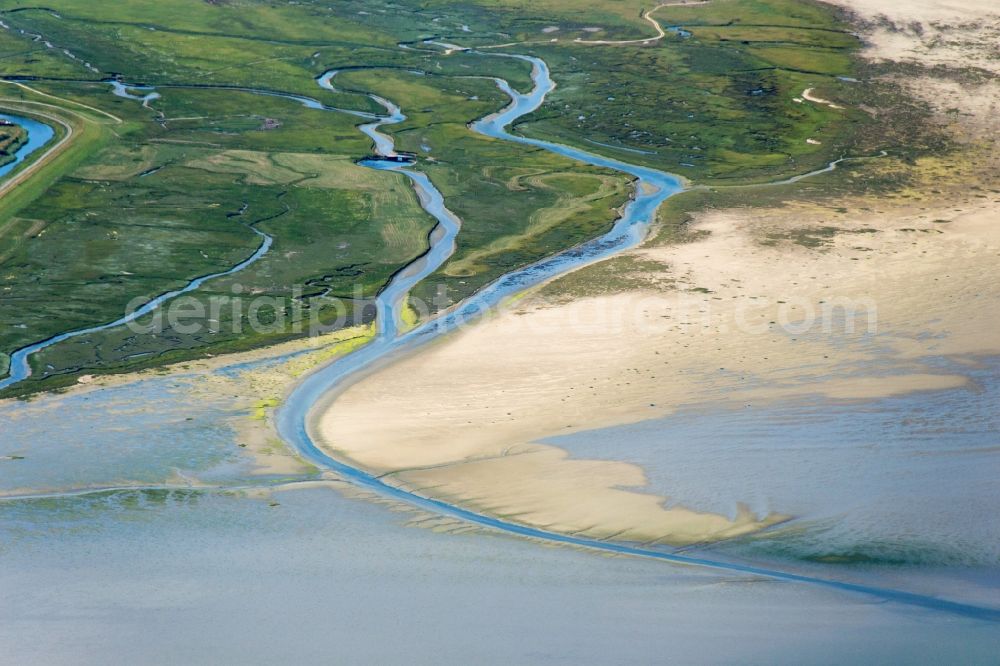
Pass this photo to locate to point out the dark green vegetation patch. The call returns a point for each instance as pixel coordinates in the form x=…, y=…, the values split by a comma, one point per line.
x=12, y=137
x=148, y=196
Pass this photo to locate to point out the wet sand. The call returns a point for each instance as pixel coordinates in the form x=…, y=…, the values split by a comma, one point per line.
x=457, y=422
x=853, y=299
x=302, y=570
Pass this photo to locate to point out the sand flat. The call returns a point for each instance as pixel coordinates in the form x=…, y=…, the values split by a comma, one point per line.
x=580, y=497
x=960, y=33
x=557, y=369
x=750, y=315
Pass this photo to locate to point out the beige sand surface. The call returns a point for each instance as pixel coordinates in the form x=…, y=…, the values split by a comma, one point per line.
x=458, y=420
x=954, y=33
x=727, y=318
x=577, y=497
x=756, y=309
x=807, y=94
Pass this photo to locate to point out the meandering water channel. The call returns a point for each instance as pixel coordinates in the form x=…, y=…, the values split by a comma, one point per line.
x=321, y=388
x=20, y=367
x=39, y=134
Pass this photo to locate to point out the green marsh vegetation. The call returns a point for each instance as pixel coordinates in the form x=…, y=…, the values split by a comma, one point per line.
x=717, y=104
x=12, y=137
x=147, y=199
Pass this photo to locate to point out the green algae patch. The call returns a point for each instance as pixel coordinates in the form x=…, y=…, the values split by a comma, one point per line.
x=261, y=407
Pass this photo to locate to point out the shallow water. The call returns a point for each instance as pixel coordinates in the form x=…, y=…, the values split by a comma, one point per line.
x=120, y=89
x=310, y=576
x=223, y=578
x=313, y=576
x=147, y=432
x=901, y=489
x=319, y=390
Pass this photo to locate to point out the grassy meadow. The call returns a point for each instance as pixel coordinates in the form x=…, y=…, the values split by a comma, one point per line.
x=146, y=197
